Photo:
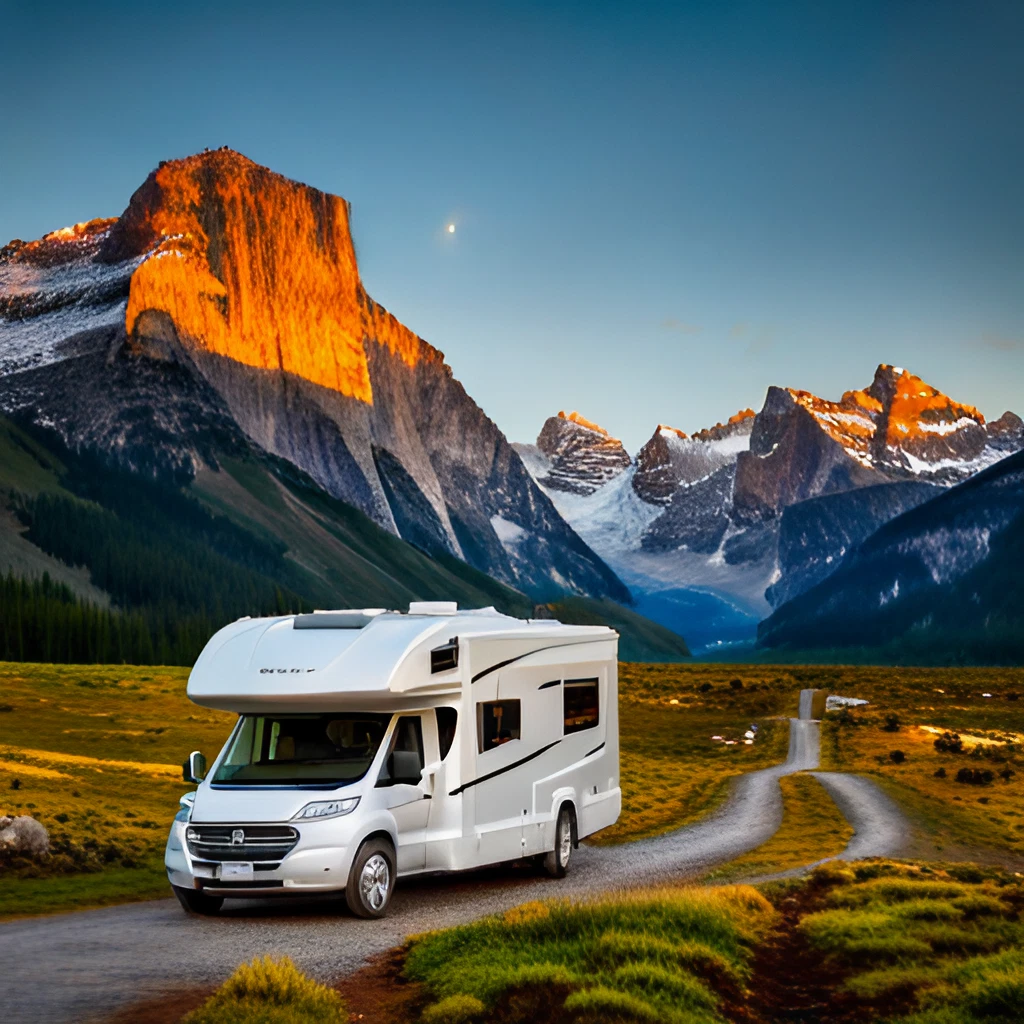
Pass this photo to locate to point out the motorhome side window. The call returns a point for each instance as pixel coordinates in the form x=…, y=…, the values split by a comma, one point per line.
x=447, y=719
x=497, y=723
x=582, y=710
x=404, y=763
x=297, y=750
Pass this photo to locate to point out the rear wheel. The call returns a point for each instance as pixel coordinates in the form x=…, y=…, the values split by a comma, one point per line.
x=372, y=879
x=197, y=902
x=556, y=863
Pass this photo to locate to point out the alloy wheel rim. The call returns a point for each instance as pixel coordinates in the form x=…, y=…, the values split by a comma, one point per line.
x=374, y=881
x=565, y=840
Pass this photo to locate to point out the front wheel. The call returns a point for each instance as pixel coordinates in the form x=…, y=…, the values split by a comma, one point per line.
x=371, y=880
x=556, y=863
x=197, y=902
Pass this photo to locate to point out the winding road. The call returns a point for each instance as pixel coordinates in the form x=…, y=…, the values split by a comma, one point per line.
x=81, y=966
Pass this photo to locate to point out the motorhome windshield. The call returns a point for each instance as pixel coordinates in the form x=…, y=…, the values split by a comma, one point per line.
x=296, y=750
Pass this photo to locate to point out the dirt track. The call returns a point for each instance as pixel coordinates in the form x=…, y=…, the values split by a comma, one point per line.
x=79, y=967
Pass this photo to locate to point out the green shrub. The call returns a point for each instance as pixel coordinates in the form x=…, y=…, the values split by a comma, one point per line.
x=927, y=910
x=602, y=1005
x=680, y=988
x=457, y=1009
x=269, y=991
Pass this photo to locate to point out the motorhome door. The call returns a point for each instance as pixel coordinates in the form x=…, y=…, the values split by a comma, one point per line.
x=400, y=777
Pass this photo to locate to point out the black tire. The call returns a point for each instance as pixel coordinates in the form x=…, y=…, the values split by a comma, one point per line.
x=372, y=879
x=556, y=863
x=195, y=901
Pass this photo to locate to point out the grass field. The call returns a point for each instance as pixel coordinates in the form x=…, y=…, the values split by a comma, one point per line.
x=672, y=771
x=984, y=820
x=95, y=752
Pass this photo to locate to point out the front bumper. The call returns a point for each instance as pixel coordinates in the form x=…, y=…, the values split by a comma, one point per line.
x=318, y=863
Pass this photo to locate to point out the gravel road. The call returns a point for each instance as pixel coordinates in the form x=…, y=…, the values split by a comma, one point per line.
x=80, y=966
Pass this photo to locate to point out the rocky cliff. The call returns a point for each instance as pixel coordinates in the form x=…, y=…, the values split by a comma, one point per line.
x=226, y=293
x=671, y=458
x=581, y=456
x=897, y=428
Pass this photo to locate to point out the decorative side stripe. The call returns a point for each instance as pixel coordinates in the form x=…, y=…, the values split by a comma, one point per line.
x=501, y=771
x=554, y=682
x=519, y=657
x=600, y=746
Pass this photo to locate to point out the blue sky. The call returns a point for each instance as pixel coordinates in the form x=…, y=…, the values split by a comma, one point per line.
x=660, y=209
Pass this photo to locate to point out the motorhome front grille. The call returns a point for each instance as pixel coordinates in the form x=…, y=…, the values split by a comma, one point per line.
x=241, y=842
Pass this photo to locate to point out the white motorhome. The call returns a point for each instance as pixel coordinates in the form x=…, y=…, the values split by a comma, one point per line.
x=372, y=745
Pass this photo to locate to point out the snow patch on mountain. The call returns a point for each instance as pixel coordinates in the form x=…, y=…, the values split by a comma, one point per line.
x=612, y=518
x=510, y=534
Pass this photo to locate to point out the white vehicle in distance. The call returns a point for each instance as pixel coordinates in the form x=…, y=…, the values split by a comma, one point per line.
x=372, y=745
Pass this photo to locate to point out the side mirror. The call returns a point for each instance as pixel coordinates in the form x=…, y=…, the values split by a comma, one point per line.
x=194, y=769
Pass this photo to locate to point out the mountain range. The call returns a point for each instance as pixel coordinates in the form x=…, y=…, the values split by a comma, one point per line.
x=717, y=528
x=203, y=414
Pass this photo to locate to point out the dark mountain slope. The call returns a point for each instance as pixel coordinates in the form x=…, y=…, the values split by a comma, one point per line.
x=815, y=535
x=943, y=582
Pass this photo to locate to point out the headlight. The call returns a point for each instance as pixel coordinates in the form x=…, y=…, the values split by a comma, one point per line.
x=327, y=809
x=186, y=807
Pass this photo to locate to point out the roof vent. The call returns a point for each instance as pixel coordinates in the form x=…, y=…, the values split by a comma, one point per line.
x=433, y=608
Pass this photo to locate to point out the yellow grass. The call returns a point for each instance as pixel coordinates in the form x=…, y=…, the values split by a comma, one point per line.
x=17, y=768
x=96, y=764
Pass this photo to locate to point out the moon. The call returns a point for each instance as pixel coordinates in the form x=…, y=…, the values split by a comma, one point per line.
x=451, y=229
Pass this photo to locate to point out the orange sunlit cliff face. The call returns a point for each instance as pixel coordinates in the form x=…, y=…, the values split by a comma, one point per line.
x=898, y=411
x=252, y=266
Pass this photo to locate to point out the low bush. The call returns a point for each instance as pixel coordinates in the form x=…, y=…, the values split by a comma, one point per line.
x=949, y=743
x=269, y=991
x=897, y=756
x=892, y=723
x=974, y=776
